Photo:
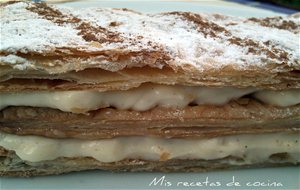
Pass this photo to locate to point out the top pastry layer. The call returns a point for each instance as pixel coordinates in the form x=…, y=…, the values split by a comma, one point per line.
x=42, y=41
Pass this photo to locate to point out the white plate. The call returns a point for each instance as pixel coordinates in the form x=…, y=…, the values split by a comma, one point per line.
x=288, y=177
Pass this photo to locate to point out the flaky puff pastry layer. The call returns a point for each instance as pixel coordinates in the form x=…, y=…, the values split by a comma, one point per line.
x=109, y=48
x=237, y=117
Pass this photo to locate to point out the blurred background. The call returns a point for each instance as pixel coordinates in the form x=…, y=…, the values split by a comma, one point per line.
x=280, y=6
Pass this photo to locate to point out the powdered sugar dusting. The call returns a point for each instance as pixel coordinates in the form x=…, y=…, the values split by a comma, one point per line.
x=278, y=38
x=25, y=31
x=241, y=45
x=178, y=36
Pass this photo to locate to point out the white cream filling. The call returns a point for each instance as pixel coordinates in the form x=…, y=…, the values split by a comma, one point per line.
x=251, y=148
x=280, y=98
x=144, y=98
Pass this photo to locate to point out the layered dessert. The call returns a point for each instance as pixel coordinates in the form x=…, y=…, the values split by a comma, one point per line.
x=120, y=90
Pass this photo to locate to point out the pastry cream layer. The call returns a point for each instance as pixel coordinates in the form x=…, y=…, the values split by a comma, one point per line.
x=144, y=98
x=251, y=148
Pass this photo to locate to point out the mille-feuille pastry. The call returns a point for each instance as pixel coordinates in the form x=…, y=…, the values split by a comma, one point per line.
x=115, y=89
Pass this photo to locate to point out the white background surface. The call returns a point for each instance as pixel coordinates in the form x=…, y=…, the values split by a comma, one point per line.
x=289, y=177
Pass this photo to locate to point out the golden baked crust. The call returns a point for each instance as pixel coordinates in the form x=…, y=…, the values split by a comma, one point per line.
x=201, y=49
x=237, y=117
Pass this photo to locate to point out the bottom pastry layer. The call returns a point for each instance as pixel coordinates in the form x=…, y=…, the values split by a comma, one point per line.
x=12, y=165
